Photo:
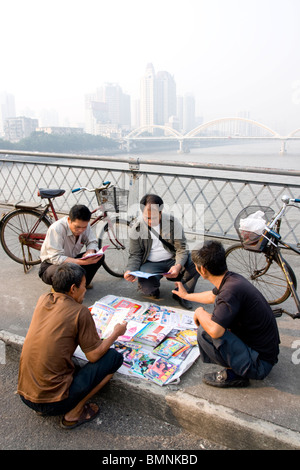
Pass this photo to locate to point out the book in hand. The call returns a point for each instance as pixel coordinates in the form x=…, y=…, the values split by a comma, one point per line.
x=98, y=253
x=133, y=327
x=152, y=334
x=161, y=371
x=102, y=315
x=146, y=275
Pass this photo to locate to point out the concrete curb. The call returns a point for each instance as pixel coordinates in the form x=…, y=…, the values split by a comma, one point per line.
x=218, y=423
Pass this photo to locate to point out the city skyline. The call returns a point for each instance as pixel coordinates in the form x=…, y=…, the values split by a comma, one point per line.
x=233, y=56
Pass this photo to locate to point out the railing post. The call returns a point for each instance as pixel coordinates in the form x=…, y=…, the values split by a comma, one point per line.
x=133, y=200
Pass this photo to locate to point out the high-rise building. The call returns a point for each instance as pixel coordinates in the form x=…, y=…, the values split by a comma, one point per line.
x=148, y=97
x=107, y=111
x=157, y=98
x=166, y=97
x=7, y=109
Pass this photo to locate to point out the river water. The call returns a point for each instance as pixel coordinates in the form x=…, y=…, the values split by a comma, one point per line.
x=258, y=154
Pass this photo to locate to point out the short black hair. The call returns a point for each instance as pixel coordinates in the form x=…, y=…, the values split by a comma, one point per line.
x=151, y=199
x=212, y=257
x=66, y=275
x=80, y=212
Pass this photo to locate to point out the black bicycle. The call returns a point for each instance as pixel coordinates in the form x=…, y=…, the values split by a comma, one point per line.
x=259, y=257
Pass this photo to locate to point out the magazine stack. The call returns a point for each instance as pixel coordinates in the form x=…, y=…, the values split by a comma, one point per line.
x=160, y=343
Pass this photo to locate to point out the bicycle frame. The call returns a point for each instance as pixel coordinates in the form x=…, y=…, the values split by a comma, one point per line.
x=105, y=217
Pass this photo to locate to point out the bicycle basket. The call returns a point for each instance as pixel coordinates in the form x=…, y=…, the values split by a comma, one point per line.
x=113, y=199
x=252, y=240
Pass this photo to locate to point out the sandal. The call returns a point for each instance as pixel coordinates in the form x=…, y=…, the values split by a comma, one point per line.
x=87, y=415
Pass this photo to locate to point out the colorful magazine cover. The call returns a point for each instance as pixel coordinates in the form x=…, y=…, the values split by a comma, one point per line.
x=128, y=350
x=102, y=315
x=188, y=336
x=140, y=363
x=168, y=347
x=161, y=371
x=152, y=334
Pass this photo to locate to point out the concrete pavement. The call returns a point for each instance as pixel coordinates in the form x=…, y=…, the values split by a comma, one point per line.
x=262, y=416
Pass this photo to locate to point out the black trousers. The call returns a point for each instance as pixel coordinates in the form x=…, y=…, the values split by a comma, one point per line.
x=47, y=270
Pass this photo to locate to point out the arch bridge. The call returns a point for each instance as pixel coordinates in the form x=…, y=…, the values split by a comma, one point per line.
x=236, y=128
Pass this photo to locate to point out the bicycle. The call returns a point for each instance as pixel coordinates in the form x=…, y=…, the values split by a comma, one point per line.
x=23, y=230
x=258, y=257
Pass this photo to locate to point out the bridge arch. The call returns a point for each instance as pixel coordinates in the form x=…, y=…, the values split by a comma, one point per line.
x=293, y=133
x=194, y=132
x=137, y=132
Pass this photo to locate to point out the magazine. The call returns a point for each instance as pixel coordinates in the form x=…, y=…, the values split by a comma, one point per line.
x=133, y=327
x=146, y=275
x=98, y=253
x=168, y=347
x=161, y=371
x=153, y=333
x=129, y=351
x=141, y=362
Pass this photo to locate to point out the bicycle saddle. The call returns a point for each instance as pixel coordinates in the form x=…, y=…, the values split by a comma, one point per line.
x=49, y=193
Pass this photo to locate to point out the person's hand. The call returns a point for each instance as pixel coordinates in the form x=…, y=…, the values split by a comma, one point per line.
x=120, y=328
x=174, y=271
x=180, y=290
x=129, y=277
x=90, y=259
x=196, y=320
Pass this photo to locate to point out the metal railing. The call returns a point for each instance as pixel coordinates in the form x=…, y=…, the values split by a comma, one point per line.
x=206, y=198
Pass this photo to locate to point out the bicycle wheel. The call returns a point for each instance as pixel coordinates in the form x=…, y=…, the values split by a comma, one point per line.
x=267, y=276
x=22, y=235
x=116, y=256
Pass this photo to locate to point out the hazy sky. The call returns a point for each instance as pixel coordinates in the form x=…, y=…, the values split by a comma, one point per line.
x=233, y=55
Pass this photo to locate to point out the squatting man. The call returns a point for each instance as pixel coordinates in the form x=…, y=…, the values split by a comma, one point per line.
x=49, y=382
x=158, y=245
x=241, y=334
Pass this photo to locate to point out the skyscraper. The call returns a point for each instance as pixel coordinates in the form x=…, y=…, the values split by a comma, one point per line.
x=148, y=97
x=157, y=98
x=7, y=109
x=107, y=111
x=166, y=97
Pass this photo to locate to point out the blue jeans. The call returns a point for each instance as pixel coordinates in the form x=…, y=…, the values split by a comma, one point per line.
x=230, y=351
x=85, y=379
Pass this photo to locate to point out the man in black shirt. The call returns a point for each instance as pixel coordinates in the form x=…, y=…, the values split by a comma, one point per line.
x=241, y=334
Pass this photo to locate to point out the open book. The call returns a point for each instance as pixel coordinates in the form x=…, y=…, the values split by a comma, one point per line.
x=98, y=253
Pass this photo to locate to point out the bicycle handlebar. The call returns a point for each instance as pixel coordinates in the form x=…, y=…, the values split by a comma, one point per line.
x=104, y=184
x=286, y=199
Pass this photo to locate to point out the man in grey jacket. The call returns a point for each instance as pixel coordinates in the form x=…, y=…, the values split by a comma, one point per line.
x=158, y=245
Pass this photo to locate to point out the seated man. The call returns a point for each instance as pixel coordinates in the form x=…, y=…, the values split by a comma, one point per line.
x=64, y=241
x=158, y=245
x=48, y=381
x=241, y=334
